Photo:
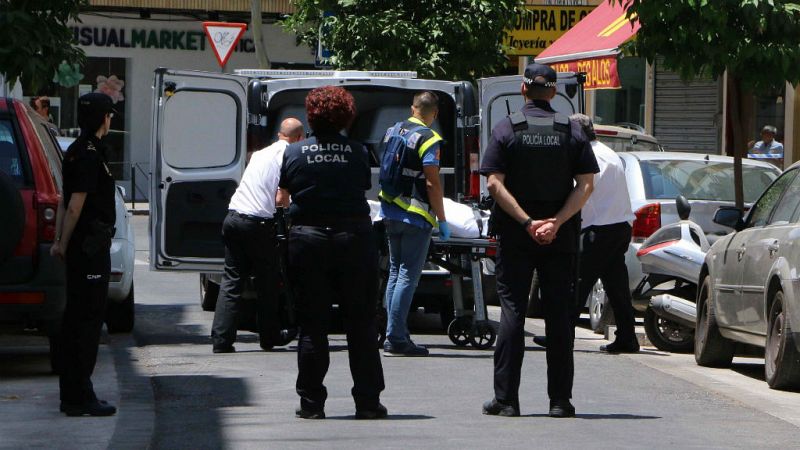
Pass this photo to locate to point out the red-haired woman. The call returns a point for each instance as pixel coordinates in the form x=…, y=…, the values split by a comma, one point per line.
x=332, y=256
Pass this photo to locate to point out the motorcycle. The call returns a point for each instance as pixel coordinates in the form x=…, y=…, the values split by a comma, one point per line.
x=671, y=261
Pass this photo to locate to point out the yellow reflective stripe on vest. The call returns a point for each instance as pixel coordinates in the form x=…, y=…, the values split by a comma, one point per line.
x=411, y=205
x=427, y=144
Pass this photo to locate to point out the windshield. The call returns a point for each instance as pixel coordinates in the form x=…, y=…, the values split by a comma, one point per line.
x=619, y=144
x=701, y=180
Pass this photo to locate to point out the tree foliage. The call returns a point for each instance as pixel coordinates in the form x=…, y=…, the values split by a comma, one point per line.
x=36, y=44
x=756, y=41
x=449, y=39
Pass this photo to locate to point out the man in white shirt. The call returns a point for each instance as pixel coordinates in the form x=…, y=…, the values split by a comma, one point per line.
x=605, y=234
x=250, y=248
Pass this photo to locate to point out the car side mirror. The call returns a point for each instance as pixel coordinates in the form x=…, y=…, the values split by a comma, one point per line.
x=729, y=216
x=683, y=207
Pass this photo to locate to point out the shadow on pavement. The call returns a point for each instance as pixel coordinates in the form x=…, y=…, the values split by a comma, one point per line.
x=602, y=416
x=390, y=417
x=754, y=370
x=199, y=398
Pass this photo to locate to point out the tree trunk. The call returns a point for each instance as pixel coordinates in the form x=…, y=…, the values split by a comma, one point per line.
x=739, y=139
x=255, y=25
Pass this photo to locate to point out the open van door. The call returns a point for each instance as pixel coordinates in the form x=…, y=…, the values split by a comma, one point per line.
x=501, y=96
x=197, y=158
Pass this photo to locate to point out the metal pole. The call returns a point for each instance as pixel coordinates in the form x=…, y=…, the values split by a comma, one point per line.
x=133, y=187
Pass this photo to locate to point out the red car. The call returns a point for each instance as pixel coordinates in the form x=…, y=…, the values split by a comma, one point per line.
x=32, y=283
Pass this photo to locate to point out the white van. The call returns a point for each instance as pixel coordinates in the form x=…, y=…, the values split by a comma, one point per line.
x=204, y=124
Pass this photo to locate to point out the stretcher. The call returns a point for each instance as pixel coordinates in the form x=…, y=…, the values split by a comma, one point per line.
x=462, y=258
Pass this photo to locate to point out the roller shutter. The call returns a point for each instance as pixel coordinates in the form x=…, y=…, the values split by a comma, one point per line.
x=686, y=115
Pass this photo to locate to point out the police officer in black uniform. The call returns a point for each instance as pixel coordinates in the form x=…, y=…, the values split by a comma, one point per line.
x=540, y=170
x=83, y=239
x=332, y=255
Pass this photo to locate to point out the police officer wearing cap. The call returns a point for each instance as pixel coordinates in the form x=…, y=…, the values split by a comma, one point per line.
x=539, y=167
x=332, y=253
x=84, y=228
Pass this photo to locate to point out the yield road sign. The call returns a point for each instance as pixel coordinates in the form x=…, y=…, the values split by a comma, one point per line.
x=223, y=37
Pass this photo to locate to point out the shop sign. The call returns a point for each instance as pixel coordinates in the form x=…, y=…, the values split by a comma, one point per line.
x=186, y=40
x=601, y=73
x=540, y=26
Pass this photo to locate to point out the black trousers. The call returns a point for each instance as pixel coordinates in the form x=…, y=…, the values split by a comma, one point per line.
x=603, y=258
x=517, y=257
x=335, y=265
x=79, y=339
x=250, y=250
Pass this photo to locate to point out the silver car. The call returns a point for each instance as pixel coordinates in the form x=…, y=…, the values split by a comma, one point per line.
x=750, y=285
x=654, y=180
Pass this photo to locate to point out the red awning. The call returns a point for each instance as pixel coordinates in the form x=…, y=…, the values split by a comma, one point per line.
x=597, y=35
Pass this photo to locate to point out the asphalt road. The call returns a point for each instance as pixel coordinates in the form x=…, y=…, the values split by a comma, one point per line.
x=174, y=393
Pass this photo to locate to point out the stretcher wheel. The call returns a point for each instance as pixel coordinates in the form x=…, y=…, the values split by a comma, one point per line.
x=459, y=331
x=482, y=336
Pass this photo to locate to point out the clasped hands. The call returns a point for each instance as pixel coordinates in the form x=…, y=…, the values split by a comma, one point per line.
x=543, y=231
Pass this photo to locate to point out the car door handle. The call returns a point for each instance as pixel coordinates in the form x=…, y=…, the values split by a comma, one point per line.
x=773, y=248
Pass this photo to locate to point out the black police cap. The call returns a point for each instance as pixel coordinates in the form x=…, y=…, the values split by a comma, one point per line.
x=94, y=103
x=539, y=75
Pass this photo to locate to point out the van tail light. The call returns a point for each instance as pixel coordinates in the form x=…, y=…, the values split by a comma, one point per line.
x=492, y=251
x=472, y=163
x=47, y=222
x=606, y=132
x=648, y=220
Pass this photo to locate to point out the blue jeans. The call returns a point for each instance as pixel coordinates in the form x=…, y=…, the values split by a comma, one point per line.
x=408, y=248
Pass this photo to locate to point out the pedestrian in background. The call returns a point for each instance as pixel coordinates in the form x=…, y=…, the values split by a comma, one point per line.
x=605, y=237
x=332, y=254
x=251, y=247
x=83, y=239
x=41, y=104
x=410, y=213
x=539, y=167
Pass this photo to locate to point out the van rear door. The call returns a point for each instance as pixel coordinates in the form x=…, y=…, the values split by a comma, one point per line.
x=501, y=96
x=380, y=103
x=197, y=157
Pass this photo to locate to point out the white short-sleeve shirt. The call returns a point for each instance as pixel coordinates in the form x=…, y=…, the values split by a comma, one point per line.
x=610, y=202
x=255, y=195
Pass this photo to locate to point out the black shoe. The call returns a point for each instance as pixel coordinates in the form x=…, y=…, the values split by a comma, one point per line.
x=308, y=414
x=619, y=347
x=63, y=406
x=541, y=341
x=88, y=409
x=561, y=408
x=407, y=349
x=496, y=408
x=224, y=349
x=287, y=336
x=378, y=412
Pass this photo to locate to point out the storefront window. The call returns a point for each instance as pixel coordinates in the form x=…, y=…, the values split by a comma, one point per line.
x=107, y=75
x=625, y=105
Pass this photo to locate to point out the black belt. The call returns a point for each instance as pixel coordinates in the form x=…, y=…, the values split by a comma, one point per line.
x=333, y=222
x=249, y=217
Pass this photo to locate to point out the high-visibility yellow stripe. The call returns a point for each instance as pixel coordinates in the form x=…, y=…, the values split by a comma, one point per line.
x=410, y=208
x=427, y=144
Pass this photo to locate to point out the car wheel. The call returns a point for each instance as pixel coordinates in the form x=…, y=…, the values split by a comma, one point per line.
x=667, y=335
x=13, y=224
x=710, y=348
x=600, y=313
x=535, y=307
x=781, y=358
x=120, y=316
x=209, y=291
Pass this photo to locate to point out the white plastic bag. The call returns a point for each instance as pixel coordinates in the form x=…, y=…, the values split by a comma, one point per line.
x=461, y=220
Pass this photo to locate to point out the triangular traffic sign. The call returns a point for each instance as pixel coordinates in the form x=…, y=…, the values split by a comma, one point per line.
x=223, y=37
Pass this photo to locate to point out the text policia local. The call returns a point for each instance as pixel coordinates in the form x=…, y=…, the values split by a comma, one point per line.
x=326, y=153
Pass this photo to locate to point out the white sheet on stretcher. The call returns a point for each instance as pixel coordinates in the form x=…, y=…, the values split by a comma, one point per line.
x=461, y=218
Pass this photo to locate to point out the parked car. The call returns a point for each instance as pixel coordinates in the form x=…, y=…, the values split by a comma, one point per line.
x=120, y=314
x=750, y=285
x=654, y=180
x=32, y=283
x=626, y=138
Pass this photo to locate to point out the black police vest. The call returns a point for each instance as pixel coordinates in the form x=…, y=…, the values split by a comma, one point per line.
x=539, y=173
